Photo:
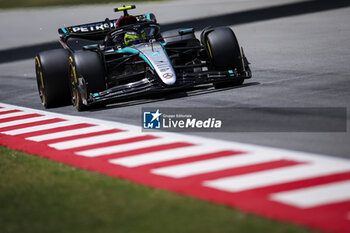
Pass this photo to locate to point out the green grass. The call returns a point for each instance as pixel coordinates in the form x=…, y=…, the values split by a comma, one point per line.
x=43, y=3
x=39, y=195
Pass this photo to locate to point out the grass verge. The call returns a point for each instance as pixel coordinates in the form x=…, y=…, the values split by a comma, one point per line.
x=6, y=4
x=40, y=195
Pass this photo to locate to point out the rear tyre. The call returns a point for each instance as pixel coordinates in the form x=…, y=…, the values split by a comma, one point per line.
x=51, y=68
x=87, y=76
x=225, y=54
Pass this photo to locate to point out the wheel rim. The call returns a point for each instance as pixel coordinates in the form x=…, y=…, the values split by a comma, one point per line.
x=72, y=86
x=40, y=81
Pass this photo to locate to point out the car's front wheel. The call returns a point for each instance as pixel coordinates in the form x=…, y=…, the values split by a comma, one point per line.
x=225, y=54
x=86, y=77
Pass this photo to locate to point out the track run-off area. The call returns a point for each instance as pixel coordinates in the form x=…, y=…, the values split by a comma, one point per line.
x=303, y=188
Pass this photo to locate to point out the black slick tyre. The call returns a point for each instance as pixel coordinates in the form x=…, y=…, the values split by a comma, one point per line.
x=51, y=68
x=225, y=54
x=86, y=75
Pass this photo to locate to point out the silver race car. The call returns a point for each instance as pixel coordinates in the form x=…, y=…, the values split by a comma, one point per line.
x=130, y=56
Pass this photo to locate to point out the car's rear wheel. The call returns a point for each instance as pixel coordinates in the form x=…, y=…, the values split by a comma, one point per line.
x=51, y=68
x=87, y=76
x=225, y=54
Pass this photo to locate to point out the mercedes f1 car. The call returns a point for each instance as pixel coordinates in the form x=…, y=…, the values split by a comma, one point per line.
x=130, y=56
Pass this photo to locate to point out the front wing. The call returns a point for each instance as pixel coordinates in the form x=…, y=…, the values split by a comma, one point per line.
x=150, y=85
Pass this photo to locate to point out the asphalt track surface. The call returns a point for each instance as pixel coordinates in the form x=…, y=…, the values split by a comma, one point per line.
x=299, y=52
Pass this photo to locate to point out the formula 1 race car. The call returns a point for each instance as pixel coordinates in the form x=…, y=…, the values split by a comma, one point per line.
x=131, y=57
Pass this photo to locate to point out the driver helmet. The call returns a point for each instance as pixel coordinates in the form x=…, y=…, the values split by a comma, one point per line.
x=131, y=38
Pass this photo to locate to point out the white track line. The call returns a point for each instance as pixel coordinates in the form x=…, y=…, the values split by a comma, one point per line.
x=39, y=128
x=93, y=140
x=13, y=114
x=213, y=165
x=276, y=176
x=126, y=147
x=162, y=156
x=67, y=133
x=6, y=109
x=316, y=195
x=24, y=121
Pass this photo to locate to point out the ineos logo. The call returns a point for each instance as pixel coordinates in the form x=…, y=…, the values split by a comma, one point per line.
x=168, y=75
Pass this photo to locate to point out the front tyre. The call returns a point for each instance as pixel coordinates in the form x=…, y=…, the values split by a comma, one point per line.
x=86, y=76
x=51, y=68
x=225, y=54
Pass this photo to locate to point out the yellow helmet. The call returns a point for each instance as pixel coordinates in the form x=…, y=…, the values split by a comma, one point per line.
x=131, y=38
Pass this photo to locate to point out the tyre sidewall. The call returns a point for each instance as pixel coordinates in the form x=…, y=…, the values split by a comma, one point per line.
x=224, y=50
x=52, y=77
x=88, y=76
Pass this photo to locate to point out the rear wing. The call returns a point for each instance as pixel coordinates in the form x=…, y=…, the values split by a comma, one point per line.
x=92, y=31
x=98, y=30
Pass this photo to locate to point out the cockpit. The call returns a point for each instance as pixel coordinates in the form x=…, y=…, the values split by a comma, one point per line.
x=133, y=34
